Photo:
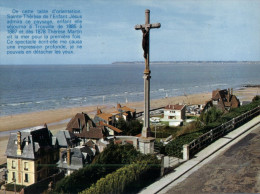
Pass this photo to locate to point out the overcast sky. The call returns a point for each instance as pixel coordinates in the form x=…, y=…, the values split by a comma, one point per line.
x=204, y=30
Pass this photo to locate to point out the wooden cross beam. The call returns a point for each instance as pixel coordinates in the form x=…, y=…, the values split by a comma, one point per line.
x=146, y=37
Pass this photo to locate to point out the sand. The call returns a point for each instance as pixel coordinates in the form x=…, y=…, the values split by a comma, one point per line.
x=19, y=121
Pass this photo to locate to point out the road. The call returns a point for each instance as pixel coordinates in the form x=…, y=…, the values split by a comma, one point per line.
x=236, y=170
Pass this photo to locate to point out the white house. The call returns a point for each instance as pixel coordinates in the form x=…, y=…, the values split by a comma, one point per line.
x=174, y=114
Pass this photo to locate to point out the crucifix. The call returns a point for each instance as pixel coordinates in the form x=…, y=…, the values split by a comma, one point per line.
x=146, y=132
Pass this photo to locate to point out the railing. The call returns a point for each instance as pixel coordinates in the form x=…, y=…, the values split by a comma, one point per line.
x=139, y=114
x=214, y=134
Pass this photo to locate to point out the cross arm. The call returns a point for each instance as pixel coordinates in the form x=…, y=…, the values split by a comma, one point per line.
x=143, y=26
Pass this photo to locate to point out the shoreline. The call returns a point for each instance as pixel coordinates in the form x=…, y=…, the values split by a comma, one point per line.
x=56, y=119
x=59, y=116
x=50, y=117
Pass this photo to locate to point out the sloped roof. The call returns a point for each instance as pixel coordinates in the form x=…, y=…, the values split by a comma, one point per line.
x=105, y=116
x=88, y=129
x=65, y=138
x=111, y=127
x=175, y=107
x=126, y=109
x=32, y=140
x=84, y=120
x=77, y=156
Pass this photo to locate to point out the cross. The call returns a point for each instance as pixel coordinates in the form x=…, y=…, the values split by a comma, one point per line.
x=145, y=44
x=146, y=37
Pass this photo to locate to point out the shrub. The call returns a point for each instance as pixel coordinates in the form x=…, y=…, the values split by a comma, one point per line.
x=128, y=179
x=112, y=158
x=132, y=127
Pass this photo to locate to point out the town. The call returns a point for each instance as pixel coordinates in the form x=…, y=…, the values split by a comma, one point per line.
x=37, y=157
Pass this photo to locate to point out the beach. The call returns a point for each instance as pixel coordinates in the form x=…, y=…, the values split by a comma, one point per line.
x=57, y=119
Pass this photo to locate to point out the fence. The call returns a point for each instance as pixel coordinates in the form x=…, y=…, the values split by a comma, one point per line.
x=214, y=134
x=139, y=114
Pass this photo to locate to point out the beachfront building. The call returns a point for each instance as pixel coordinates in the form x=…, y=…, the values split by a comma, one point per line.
x=223, y=100
x=127, y=113
x=30, y=154
x=72, y=159
x=108, y=121
x=174, y=114
x=82, y=126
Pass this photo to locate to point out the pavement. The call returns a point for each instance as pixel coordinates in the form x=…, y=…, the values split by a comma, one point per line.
x=166, y=183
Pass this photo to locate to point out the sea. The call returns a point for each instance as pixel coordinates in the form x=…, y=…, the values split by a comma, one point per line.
x=30, y=88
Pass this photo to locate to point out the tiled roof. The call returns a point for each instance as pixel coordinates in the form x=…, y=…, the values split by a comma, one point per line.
x=87, y=129
x=175, y=107
x=105, y=116
x=65, y=138
x=125, y=108
x=115, y=112
x=111, y=127
x=32, y=140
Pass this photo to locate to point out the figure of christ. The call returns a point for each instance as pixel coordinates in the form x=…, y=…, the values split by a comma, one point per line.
x=145, y=42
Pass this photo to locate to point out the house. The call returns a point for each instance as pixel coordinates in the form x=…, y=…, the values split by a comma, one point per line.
x=107, y=118
x=110, y=118
x=82, y=126
x=223, y=100
x=30, y=153
x=127, y=113
x=72, y=159
x=174, y=114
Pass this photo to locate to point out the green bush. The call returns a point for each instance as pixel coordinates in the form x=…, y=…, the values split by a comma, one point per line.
x=132, y=127
x=130, y=178
x=112, y=158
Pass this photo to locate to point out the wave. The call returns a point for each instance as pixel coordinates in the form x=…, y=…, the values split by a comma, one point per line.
x=17, y=104
x=213, y=85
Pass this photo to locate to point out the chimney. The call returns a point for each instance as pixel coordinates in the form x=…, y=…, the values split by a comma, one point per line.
x=231, y=91
x=19, y=150
x=68, y=156
x=98, y=111
x=118, y=106
x=45, y=125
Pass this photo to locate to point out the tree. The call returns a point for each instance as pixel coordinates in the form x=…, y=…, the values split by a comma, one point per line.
x=256, y=98
x=132, y=127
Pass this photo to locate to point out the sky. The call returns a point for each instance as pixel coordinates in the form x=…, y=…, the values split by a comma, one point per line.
x=191, y=30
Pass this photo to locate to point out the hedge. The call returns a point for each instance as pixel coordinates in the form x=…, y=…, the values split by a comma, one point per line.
x=128, y=179
x=111, y=159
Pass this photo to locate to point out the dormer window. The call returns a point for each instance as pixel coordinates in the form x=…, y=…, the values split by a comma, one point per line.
x=80, y=126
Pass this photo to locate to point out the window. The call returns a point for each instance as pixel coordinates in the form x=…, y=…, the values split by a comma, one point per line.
x=13, y=176
x=25, y=165
x=13, y=164
x=26, y=177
